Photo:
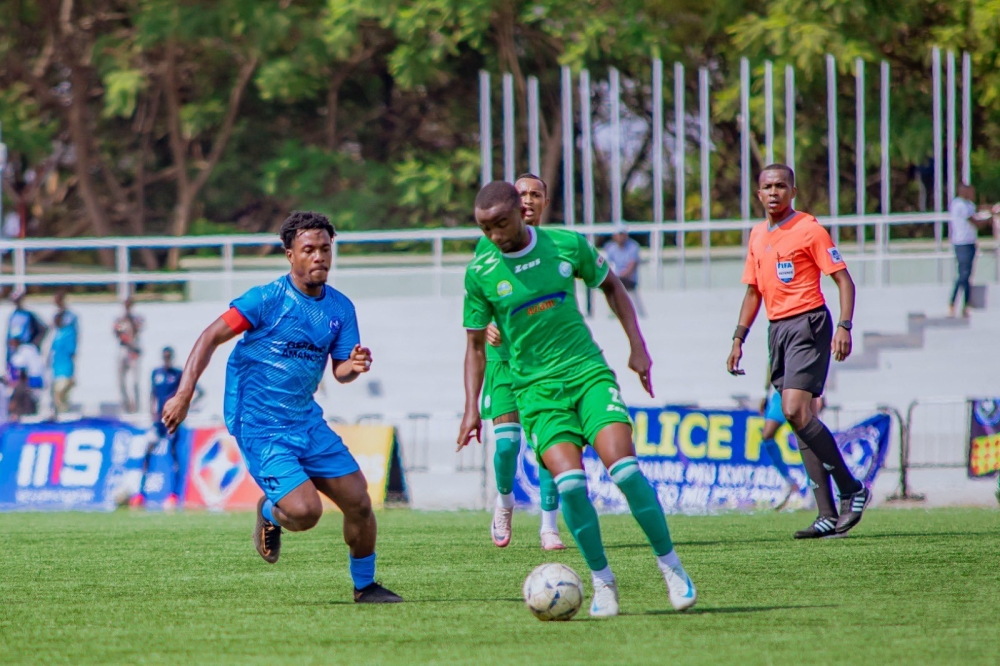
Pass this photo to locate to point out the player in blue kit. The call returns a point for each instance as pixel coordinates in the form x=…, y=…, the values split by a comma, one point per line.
x=291, y=327
x=163, y=385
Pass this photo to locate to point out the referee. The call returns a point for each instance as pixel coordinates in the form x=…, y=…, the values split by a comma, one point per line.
x=786, y=257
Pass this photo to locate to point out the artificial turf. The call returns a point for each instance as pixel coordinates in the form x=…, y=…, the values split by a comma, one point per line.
x=907, y=586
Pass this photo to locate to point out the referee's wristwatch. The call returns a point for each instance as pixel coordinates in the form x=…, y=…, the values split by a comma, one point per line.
x=846, y=325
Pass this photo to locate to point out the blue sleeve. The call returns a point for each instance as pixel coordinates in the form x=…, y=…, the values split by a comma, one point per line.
x=251, y=305
x=347, y=334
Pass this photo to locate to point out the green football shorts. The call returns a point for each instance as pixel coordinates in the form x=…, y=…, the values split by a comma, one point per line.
x=498, y=393
x=571, y=411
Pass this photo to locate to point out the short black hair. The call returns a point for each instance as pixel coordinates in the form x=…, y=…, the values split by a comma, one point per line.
x=779, y=167
x=303, y=219
x=532, y=176
x=498, y=193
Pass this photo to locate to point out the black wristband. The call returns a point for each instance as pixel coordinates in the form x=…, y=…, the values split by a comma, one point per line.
x=741, y=333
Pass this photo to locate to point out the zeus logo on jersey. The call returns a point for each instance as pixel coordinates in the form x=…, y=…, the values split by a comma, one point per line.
x=489, y=263
x=520, y=268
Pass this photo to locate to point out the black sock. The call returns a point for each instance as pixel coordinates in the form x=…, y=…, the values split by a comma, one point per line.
x=819, y=439
x=820, y=482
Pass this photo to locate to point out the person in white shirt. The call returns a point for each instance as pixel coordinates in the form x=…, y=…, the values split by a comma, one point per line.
x=963, y=230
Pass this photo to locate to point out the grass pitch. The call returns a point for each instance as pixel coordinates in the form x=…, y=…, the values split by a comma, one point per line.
x=908, y=586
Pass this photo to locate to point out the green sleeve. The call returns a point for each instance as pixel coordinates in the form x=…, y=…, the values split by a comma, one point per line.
x=477, y=310
x=591, y=267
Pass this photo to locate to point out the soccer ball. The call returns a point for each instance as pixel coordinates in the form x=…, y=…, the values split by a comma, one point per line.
x=553, y=592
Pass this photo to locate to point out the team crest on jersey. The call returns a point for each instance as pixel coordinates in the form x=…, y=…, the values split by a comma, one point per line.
x=786, y=271
x=835, y=255
x=565, y=269
x=504, y=289
x=334, y=324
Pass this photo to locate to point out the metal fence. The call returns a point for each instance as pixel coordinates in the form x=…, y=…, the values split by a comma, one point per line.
x=944, y=124
x=877, y=259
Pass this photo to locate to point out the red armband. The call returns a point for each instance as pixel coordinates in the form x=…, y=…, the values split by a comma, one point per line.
x=236, y=320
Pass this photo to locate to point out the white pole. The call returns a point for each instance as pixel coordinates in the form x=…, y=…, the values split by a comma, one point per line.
x=679, y=165
x=745, y=142
x=966, y=118
x=952, y=138
x=586, y=148
x=790, y=117
x=534, y=158
x=769, y=110
x=567, y=141
x=832, y=142
x=657, y=140
x=616, y=146
x=882, y=230
x=859, y=146
x=508, y=127
x=485, y=130
x=706, y=194
x=938, y=156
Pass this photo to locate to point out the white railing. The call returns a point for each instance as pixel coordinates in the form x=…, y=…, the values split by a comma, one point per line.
x=880, y=253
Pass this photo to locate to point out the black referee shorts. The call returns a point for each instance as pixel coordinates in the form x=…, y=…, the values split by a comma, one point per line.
x=799, y=348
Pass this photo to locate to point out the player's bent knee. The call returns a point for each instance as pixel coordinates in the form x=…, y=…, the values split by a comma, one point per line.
x=302, y=515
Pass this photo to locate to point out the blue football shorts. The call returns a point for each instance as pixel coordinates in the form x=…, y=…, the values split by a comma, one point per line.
x=773, y=411
x=280, y=463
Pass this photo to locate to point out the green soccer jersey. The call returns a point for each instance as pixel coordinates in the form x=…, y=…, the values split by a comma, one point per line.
x=531, y=295
x=501, y=353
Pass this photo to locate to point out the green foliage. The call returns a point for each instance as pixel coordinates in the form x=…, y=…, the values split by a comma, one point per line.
x=438, y=188
x=26, y=127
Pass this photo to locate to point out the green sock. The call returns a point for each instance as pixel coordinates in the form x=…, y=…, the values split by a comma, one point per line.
x=581, y=518
x=508, y=436
x=643, y=503
x=547, y=487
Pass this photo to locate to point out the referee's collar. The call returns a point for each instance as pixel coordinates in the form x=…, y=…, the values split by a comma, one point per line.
x=790, y=216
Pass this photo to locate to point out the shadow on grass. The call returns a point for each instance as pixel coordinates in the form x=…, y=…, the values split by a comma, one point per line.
x=724, y=542
x=921, y=535
x=423, y=601
x=723, y=610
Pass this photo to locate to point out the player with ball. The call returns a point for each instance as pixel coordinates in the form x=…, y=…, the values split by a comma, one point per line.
x=525, y=281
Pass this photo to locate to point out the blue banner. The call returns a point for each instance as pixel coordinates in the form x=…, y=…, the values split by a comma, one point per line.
x=91, y=464
x=700, y=461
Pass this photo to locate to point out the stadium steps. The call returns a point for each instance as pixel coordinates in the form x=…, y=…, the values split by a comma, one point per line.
x=873, y=343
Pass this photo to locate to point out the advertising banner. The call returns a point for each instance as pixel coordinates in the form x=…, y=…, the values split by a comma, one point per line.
x=218, y=478
x=984, y=438
x=707, y=460
x=91, y=464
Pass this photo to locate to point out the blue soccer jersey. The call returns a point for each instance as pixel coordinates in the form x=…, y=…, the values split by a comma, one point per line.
x=165, y=382
x=277, y=366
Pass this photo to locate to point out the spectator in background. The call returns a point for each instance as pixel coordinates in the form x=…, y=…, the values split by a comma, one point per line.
x=163, y=382
x=22, y=400
x=62, y=355
x=23, y=325
x=963, y=230
x=623, y=255
x=27, y=369
x=127, y=330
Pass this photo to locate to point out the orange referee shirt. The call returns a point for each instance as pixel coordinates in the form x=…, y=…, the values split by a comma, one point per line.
x=785, y=264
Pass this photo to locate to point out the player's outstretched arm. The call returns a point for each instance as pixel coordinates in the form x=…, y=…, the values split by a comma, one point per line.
x=621, y=304
x=475, y=370
x=176, y=409
x=842, y=345
x=748, y=312
x=347, y=370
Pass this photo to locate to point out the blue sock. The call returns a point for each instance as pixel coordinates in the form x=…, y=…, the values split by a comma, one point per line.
x=774, y=453
x=363, y=571
x=266, y=511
